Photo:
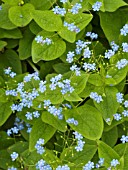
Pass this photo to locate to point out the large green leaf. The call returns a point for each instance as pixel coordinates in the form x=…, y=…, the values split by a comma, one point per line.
x=114, y=20
x=40, y=130
x=54, y=121
x=109, y=105
x=15, y=33
x=47, y=20
x=90, y=123
x=96, y=79
x=42, y=5
x=21, y=15
x=10, y=59
x=5, y=22
x=5, y=112
x=78, y=158
x=107, y=153
x=48, y=52
x=25, y=44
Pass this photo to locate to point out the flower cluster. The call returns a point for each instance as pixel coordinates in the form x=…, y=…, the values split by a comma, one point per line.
x=125, y=47
x=41, y=164
x=9, y=72
x=76, y=69
x=89, y=66
x=41, y=40
x=18, y=125
x=64, y=84
x=114, y=163
x=40, y=149
x=59, y=11
x=92, y=35
x=124, y=30
x=119, y=97
x=122, y=63
x=109, y=54
x=63, y=1
x=96, y=6
x=14, y=156
x=96, y=97
x=89, y=166
x=72, y=121
x=72, y=27
x=75, y=8
x=80, y=143
x=34, y=114
x=53, y=110
x=64, y=167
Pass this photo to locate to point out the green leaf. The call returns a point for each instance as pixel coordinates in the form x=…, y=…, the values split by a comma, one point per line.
x=109, y=20
x=117, y=76
x=2, y=44
x=12, y=43
x=112, y=6
x=5, y=160
x=78, y=158
x=54, y=121
x=87, y=90
x=61, y=68
x=46, y=132
x=5, y=22
x=122, y=150
x=5, y=112
x=34, y=27
x=106, y=106
x=42, y=5
x=15, y=33
x=107, y=153
x=72, y=97
x=110, y=137
x=21, y=15
x=96, y=79
x=18, y=147
x=47, y=20
x=48, y=52
x=79, y=82
x=12, y=2
x=25, y=44
x=10, y=59
x=80, y=20
x=3, y=97
x=90, y=123
x=5, y=141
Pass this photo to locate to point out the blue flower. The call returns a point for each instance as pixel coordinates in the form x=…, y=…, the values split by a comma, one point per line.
x=96, y=6
x=96, y=97
x=124, y=30
x=124, y=139
x=122, y=63
x=115, y=162
x=88, y=166
x=14, y=156
x=117, y=116
x=64, y=167
x=75, y=8
x=119, y=97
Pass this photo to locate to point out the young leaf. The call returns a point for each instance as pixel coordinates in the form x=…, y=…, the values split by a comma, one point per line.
x=90, y=123
x=42, y=5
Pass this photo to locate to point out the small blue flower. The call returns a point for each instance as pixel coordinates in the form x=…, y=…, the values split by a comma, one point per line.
x=80, y=145
x=89, y=166
x=124, y=139
x=36, y=114
x=126, y=103
x=117, y=116
x=114, y=46
x=122, y=63
x=12, y=168
x=96, y=6
x=72, y=121
x=124, y=30
x=87, y=53
x=75, y=8
x=125, y=113
x=29, y=116
x=70, y=56
x=14, y=156
x=64, y=167
x=42, y=165
x=96, y=97
x=114, y=162
x=119, y=97
x=125, y=47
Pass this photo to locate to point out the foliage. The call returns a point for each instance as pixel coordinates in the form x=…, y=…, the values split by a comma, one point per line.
x=63, y=84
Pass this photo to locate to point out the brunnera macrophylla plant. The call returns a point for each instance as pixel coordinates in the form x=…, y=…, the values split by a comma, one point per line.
x=63, y=84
